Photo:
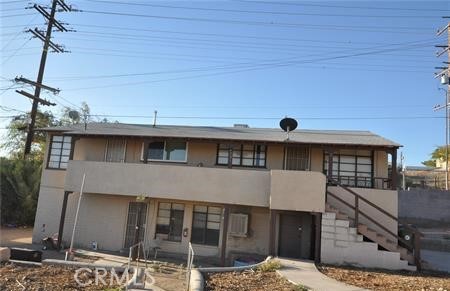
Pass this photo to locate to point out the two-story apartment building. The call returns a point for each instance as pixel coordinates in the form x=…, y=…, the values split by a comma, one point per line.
x=229, y=191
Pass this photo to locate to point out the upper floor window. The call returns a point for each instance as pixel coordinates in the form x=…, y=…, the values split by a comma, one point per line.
x=59, y=152
x=246, y=155
x=352, y=168
x=175, y=151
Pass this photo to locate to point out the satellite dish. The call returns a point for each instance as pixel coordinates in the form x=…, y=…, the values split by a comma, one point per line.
x=74, y=115
x=288, y=124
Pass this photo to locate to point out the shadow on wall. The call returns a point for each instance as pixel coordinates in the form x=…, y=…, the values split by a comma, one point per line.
x=425, y=208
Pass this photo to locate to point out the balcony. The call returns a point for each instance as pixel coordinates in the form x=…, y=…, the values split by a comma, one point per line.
x=277, y=189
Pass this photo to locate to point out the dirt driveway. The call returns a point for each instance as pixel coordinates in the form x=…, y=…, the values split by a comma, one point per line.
x=15, y=236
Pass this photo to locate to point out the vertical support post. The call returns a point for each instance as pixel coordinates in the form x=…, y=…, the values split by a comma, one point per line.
x=394, y=169
x=417, y=260
x=145, y=152
x=356, y=211
x=62, y=219
x=330, y=166
x=223, y=250
x=318, y=237
x=272, y=231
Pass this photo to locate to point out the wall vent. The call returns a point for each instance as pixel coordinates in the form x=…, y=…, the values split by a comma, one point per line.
x=238, y=224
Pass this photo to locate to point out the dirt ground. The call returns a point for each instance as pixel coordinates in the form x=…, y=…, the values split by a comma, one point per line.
x=15, y=236
x=249, y=281
x=388, y=280
x=19, y=277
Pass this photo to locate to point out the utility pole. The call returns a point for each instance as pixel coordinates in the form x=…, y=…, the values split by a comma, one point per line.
x=444, y=75
x=46, y=38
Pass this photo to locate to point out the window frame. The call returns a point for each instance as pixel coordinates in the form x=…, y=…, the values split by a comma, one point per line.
x=241, y=147
x=164, y=151
x=50, y=148
x=368, y=181
x=170, y=221
x=205, y=226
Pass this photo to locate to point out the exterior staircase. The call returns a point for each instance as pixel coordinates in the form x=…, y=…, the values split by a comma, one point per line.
x=343, y=241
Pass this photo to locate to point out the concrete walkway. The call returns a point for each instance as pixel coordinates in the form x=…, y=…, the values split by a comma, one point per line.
x=305, y=273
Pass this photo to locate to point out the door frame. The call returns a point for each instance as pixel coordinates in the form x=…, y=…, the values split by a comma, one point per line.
x=314, y=251
x=145, y=221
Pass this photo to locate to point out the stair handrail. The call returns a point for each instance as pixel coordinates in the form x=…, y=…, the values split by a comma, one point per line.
x=417, y=234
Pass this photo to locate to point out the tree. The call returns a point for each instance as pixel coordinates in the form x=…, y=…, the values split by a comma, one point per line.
x=19, y=190
x=81, y=116
x=14, y=143
x=19, y=178
x=437, y=154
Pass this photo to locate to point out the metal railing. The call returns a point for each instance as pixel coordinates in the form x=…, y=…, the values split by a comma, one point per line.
x=190, y=260
x=132, y=256
x=363, y=182
x=415, y=248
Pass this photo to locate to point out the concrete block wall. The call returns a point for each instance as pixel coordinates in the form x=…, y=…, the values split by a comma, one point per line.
x=341, y=245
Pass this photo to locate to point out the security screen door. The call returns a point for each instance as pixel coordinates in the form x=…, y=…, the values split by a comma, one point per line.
x=136, y=223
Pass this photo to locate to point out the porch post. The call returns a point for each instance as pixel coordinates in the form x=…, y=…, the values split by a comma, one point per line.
x=394, y=169
x=223, y=249
x=330, y=165
x=272, y=231
x=62, y=219
x=318, y=237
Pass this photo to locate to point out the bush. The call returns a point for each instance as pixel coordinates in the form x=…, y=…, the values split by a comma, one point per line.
x=269, y=266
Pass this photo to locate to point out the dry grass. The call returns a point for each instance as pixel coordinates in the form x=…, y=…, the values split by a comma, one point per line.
x=374, y=279
x=248, y=281
x=18, y=278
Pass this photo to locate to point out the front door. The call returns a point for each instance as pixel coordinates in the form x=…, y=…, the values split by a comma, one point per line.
x=137, y=216
x=290, y=236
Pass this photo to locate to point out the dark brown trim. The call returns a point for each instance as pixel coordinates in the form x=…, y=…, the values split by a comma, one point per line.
x=272, y=231
x=62, y=219
x=394, y=170
x=223, y=249
x=317, y=237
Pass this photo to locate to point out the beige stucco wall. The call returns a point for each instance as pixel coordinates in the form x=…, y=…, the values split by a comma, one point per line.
x=213, y=185
x=291, y=191
x=385, y=199
x=257, y=242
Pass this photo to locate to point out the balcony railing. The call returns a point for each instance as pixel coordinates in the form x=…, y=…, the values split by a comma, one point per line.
x=362, y=182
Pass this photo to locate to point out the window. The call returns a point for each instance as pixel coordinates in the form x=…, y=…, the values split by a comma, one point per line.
x=206, y=225
x=59, y=152
x=169, y=223
x=352, y=168
x=167, y=151
x=246, y=155
x=238, y=224
x=297, y=158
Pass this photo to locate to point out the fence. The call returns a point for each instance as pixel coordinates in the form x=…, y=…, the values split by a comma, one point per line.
x=190, y=260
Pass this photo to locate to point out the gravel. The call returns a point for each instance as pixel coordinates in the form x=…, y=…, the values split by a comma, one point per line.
x=17, y=277
x=248, y=281
x=389, y=280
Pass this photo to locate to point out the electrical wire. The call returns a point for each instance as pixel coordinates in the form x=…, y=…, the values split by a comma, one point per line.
x=257, y=12
x=342, y=6
x=258, y=23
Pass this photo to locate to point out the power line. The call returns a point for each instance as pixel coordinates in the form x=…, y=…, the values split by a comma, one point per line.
x=230, y=35
x=258, y=11
x=343, y=6
x=259, y=23
x=252, y=67
x=273, y=118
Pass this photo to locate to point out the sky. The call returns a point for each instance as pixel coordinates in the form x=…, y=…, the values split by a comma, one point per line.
x=353, y=65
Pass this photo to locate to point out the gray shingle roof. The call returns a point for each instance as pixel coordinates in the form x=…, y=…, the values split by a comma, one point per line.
x=338, y=137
